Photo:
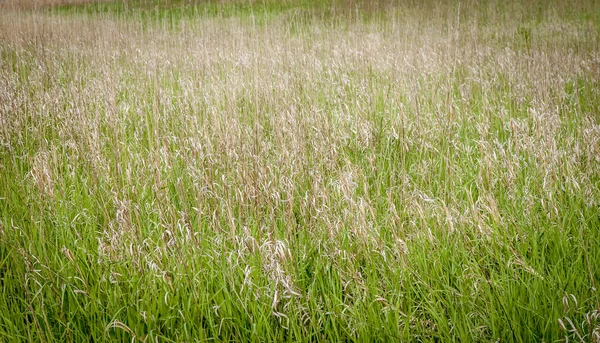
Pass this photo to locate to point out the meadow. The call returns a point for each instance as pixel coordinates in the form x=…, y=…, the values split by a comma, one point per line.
x=300, y=170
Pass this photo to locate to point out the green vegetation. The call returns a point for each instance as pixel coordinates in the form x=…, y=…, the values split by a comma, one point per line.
x=300, y=171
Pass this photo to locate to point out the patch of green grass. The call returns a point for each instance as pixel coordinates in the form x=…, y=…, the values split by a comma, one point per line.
x=372, y=177
x=169, y=14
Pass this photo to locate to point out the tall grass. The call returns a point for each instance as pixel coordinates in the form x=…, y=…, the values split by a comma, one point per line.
x=416, y=171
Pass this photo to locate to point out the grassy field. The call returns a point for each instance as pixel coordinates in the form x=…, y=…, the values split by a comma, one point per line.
x=301, y=171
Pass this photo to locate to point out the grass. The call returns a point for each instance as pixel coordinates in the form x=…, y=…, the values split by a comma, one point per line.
x=410, y=171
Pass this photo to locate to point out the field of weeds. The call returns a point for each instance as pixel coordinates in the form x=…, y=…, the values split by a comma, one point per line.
x=302, y=171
